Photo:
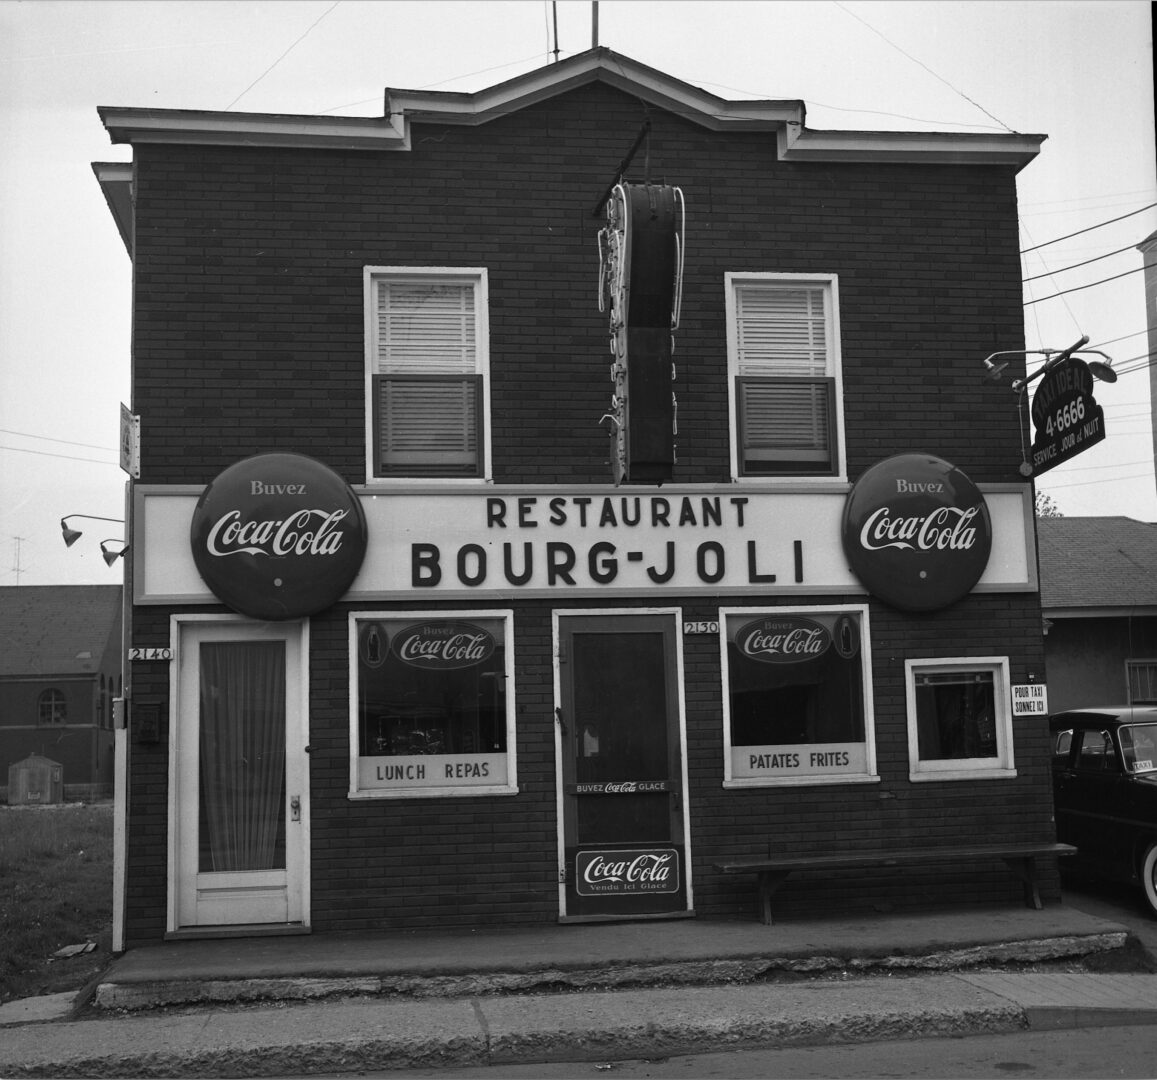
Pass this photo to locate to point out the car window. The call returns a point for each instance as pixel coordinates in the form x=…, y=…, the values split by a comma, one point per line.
x=1139, y=747
x=1062, y=744
x=1096, y=752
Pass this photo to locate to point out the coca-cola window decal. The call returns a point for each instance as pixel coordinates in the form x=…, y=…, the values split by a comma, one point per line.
x=278, y=536
x=797, y=696
x=432, y=704
x=917, y=532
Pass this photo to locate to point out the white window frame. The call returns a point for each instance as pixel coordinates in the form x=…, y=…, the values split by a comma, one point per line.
x=830, y=285
x=1001, y=767
x=870, y=774
x=434, y=791
x=474, y=275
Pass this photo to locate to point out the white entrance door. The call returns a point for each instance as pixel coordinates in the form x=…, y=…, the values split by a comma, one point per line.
x=239, y=815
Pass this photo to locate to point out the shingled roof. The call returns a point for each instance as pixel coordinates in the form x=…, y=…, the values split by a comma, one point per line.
x=1091, y=565
x=57, y=629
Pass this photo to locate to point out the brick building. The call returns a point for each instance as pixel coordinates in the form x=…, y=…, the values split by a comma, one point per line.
x=495, y=608
x=60, y=669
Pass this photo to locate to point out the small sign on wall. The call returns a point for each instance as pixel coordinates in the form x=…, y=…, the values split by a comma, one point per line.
x=1030, y=699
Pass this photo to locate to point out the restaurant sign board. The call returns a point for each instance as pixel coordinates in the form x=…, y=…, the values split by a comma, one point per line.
x=917, y=532
x=278, y=536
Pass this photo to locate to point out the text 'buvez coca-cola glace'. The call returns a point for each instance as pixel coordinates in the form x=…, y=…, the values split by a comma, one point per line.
x=917, y=532
x=278, y=536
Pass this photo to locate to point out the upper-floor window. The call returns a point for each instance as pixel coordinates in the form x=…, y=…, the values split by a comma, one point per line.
x=51, y=707
x=427, y=353
x=784, y=375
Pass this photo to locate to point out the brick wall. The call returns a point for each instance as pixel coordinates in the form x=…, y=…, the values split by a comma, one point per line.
x=248, y=338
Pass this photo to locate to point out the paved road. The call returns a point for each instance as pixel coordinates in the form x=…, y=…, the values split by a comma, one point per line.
x=1042, y=1055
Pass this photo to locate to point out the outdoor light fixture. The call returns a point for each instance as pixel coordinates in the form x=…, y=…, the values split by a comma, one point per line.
x=1053, y=358
x=72, y=535
x=111, y=556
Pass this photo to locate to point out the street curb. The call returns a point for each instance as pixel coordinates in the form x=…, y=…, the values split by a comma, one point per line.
x=406, y=1034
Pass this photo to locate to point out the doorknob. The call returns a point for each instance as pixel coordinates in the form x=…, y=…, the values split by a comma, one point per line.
x=295, y=808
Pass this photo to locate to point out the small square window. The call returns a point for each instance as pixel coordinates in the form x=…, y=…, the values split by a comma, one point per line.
x=959, y=719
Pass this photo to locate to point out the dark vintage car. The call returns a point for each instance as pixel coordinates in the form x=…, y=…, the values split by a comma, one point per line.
x=1105, y=791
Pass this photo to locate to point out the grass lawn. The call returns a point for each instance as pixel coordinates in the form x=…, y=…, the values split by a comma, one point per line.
x=55, y=890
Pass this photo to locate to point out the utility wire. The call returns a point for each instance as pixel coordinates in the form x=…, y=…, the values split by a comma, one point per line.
x=49, y=438
x=283, y=55
x=67, y=457
x=1078, y=288
x=1098, y=258
x=924, y=66
x=1132, y=213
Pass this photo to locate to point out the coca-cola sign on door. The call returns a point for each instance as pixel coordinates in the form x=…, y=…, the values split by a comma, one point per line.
x=278, y=536
x=603, y=873
x=917, y=532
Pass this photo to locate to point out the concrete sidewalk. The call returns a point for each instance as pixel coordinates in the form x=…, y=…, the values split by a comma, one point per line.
x=627, y=991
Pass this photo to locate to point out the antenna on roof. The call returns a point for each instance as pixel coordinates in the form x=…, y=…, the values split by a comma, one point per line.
x=554, y=10
x=594, y=24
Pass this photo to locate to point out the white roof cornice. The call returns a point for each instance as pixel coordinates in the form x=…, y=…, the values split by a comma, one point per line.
x=785, y=120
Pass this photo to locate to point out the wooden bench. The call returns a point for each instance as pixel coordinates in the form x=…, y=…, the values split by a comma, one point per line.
x=774, y=871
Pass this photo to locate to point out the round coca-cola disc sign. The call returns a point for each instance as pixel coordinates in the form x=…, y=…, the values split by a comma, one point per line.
x=917, y=532
x=278, y=536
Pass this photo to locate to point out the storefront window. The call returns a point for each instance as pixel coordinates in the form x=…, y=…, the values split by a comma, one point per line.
x=432, y=705
x=797, y=694
x=959, y=719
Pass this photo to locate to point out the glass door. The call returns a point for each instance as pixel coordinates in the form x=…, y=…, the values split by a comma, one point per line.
x=621, y=741
x=240, y=773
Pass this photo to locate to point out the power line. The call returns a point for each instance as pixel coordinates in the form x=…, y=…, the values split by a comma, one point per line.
x=1078, y=288
x=67, y=457
x=924, y=66
x=1132, y=213
x=283, y=55
x=1098, y=258
x=49, y=438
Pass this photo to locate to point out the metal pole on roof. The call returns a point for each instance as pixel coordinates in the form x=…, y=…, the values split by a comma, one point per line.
x=594, y=24
x=554, y=9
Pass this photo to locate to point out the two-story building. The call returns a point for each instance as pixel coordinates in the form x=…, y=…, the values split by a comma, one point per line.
x=550, y=491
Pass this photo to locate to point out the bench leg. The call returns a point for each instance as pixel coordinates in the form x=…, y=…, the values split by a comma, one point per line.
x=769, y=882
x=1025, y=869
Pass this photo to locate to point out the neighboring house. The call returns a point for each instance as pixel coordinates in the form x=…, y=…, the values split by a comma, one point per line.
x=60, y=668
x=460, y=598
x=1099, y=600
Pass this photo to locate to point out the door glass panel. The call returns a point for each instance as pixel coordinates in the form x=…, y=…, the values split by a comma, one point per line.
x=242, y=755
x=621, y=713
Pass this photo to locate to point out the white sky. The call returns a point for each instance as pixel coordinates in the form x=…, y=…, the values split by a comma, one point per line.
x=1080, y=71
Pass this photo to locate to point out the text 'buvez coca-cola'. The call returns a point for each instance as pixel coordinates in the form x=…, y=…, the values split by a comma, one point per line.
x=443, y=645
x=278, y=536
x=917, y=532
x=783, y=640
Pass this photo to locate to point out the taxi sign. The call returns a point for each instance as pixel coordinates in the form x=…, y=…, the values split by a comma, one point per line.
x=1066, y=417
